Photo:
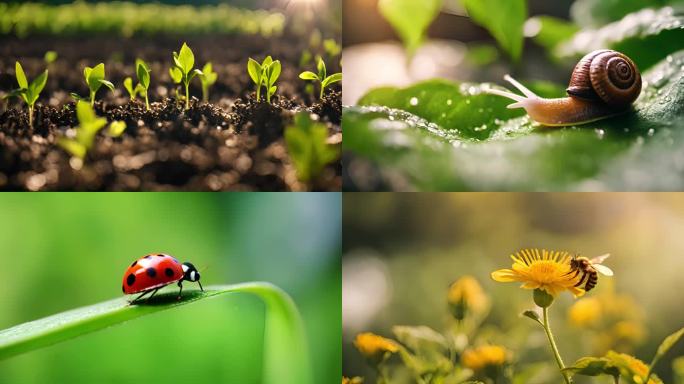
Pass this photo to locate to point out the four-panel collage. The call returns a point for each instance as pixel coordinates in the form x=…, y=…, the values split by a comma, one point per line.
x=371, y=191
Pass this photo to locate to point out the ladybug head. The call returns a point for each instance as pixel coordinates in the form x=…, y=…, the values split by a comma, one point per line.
x=190, y=273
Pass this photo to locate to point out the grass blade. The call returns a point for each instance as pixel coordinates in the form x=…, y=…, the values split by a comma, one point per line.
x=285, y=348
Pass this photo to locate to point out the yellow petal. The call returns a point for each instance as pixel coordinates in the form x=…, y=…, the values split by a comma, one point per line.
x=505, y=276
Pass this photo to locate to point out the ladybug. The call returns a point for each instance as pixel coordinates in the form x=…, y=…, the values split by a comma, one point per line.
x=155, y=271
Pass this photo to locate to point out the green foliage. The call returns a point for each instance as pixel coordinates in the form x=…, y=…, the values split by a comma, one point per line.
x=50, y=57
x=284, y=332
x=663, y=348
x=94, y=78
x=29, y=92
x=89, y=125
x=646, y=36
x=331, y=47
x=128, y=84
x=307, y=145
x=265, y=74
x=208, y=78
x=129, y=19
x=116, y=128
x=410, y=19
x=143, y=73
x=182, y=70
x=480, y=55
x=596, y=13
x=322, y=76
x=504, y=19
x=550, y=31
x=445, y=136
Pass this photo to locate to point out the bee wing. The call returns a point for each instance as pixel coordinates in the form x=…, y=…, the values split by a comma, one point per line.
x=600, y=259
x=602, y=269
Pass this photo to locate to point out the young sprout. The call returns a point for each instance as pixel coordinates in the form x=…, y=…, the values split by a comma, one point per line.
x=50, y=57
x=308, y=147
x=208, y=78
x=29, y=92
x=143, y=72
x=128, y=84
x=116, y=128
x=95, y=78
x=322, y=76
x=182, y=70
x=89, y=125
x=264, y=74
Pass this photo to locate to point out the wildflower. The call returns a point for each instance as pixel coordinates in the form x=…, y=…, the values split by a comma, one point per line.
x=585, y=313
x=466, y=295
x=353, y=380
x=631, y=368
x=375, y=348
x=629, y=331
x=547, y=271
x=483, y=357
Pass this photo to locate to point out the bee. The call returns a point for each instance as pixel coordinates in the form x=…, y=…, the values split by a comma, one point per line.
x=589, y=270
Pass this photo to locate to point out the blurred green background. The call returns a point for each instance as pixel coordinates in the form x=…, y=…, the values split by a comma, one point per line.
x=62, y=251
x=401, y=252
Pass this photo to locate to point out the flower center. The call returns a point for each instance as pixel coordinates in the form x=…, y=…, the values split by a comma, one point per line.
x=545, y=271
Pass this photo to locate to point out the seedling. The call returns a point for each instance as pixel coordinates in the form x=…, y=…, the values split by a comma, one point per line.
x=95, y=78
x=143, y=72
x=265, y=74
x=208, y=78
x=307, y=145
x=322, y=76
x=50, y=57
x=182, y=70
x=331, y=47
x=128, y=84
x=29, y=92
x=89, y=125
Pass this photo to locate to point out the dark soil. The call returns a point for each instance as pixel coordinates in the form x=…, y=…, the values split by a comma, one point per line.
x=230, y=143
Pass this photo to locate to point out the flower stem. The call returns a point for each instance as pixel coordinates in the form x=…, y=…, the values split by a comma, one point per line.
x=552, y=341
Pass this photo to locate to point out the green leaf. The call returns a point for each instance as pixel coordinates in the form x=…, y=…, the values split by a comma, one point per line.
x=176, y=75
x=209, y=76
x=267, y=61
x=85, y=113
x=21, y=76
x=438, y=135
x=480, y=55
x=186, y=58
x=117, y=128
x=128, y=84
x=665, y=346
x=429, y=348
x=504, y=19
x=597, y=13
x=550, y=32
x=108, y=84
x=334, y=78
x=50, y=57
x=143, y=74
x=593, y=366
x=322, y=71
x=410, y=19
x=532, y=315
x=630, y=368
x=74, y=148
x=285, y=349
x=95, y=76
x=308, y=75
x=37, y=86
x=307, y=146
x=254, y=69
x=274, y=70
x=646, y=36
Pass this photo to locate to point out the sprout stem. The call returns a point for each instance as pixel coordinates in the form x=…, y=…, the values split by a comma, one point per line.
x=147, y=102
x=30, y=113
x=552, y=341
x=187, y=96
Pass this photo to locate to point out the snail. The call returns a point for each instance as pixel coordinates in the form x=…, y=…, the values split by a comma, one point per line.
x=604, y=83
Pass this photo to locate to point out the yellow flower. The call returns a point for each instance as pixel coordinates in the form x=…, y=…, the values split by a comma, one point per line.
x=375, y=348
x=541, y=269
x=631, y=368
x=630, y=331
x=353, y=380
x=485, y=356
x=585, y=313
x=466, y=295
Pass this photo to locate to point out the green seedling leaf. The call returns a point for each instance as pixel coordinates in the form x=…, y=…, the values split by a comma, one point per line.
x=331, y=47
x=21, y=76
x=334, y=78
x=274, y=71
x=128, y=84
x=322, y=71
x=439, y=135
x=107, y=84
x=254, y=69
x=504, y=19
x=176, y=75
x=116, y=128
x=184, y=63
x=308, y=148
x=36, y=87
x=73, y=147
x=410, y=19
x=186, y=59
x=95, y=78
x=208, y=78
x=308, y=75
x=89, y=125
x=143, y=73
x=285, y=346
x=50, y=57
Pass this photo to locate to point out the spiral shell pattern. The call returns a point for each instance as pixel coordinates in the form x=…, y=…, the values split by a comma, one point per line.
x=606, y=75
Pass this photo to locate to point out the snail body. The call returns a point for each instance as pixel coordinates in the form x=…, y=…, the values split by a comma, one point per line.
x=604, y=83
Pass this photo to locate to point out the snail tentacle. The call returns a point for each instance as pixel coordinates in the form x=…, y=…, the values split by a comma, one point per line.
x=520, y=101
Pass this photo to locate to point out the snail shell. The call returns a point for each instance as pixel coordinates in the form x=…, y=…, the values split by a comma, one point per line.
x=604, y=83
x=608, y=76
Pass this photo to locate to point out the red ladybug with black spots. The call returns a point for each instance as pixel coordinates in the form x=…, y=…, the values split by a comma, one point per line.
x=153, y=272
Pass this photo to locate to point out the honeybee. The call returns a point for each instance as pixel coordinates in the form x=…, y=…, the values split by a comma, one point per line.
x=589, y=270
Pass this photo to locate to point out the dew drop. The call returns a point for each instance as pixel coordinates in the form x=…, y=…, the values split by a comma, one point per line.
x=651, y=132
x=413, y=101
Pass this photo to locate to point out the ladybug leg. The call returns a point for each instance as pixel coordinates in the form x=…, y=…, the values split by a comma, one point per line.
x=139, y=297
x=180, y=284
x=153, y=293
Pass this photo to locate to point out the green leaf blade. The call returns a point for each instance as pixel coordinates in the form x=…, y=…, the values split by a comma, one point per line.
x=410, y=19
x=21, y=76
x=504, y=19
x=285, y=350
x=308, y=75
x=186, y=58
x=254, y=69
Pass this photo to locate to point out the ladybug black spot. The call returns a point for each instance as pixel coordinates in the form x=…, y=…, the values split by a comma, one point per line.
x=160, y=255
x=168, y=272
x=123, y=289
x=148, y=256
x=151, y=272
x=130, y=279
x=134, y=263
